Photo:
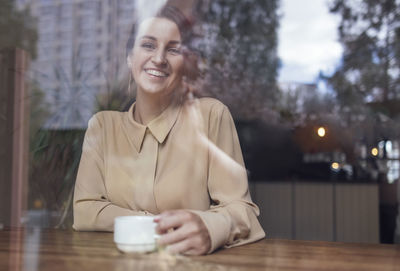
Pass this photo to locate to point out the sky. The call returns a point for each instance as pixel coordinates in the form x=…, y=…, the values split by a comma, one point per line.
x=308, y=40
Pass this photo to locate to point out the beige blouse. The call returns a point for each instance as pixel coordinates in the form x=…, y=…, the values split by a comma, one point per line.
x=189, y=157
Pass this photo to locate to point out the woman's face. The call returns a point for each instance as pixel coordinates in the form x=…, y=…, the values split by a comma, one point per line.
x=156, y=60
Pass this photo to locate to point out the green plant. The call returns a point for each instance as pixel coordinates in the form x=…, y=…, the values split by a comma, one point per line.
x=54, y=161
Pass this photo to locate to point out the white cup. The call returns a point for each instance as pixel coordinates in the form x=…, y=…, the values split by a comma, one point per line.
x=135, y=234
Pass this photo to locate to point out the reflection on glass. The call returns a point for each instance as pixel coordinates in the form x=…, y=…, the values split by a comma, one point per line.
x=80, y=69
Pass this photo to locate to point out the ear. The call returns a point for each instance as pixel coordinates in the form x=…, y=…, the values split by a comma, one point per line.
x=129, y=62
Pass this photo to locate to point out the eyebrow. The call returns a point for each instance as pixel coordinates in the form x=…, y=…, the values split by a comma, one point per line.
x=153, y=38
x=148, y=37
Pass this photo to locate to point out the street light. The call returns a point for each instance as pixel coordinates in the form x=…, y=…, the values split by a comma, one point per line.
x=335, y=166
x=321, y=131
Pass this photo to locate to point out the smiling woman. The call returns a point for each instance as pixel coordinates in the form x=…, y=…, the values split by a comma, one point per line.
x=156, y=62
x=170, y=156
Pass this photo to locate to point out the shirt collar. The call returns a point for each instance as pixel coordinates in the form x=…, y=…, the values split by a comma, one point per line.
x=159, y=127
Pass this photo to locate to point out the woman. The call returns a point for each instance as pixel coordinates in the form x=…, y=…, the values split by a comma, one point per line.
x=168, y=156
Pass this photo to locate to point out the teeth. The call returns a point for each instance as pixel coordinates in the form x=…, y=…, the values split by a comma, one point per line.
x=156, y=73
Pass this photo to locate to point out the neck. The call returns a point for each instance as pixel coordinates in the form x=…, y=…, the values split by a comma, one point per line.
x=149, y=107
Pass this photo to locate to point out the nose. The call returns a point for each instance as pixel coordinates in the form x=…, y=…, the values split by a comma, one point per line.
x=159, y=57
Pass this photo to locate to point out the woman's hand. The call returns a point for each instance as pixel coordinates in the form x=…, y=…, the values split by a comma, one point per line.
x=183, y=232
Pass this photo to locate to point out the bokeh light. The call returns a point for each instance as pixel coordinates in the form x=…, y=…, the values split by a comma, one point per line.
x=335, y=166
x=321, y=131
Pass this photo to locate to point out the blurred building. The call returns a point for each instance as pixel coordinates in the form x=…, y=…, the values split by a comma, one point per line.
x=81, y=52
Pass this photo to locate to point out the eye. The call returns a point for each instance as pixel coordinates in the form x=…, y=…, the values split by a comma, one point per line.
x=148, y=45
x=174, y=50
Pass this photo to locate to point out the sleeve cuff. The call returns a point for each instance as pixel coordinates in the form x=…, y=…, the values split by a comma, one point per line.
x=218, y=227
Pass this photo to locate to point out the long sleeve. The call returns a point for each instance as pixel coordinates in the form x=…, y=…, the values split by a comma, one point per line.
x=130, y=169
x=232, y=218
x=92, y=208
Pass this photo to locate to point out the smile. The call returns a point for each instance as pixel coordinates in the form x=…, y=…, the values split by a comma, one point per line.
x=156, y=73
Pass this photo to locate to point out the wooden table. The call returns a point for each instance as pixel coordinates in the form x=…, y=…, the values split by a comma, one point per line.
x=57, y=250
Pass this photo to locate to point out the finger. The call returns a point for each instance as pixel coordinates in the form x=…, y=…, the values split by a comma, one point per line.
x=172, y=219
x=175, y=236
x=180, y=247
x=158, y=217
x=199, y=246
x=194, y=252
